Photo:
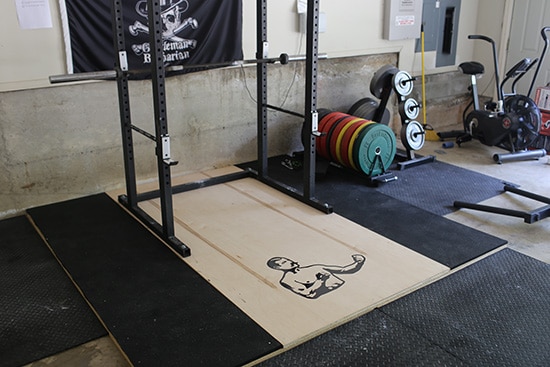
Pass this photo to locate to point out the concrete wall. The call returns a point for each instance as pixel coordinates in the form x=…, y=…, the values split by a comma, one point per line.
x=64, y=142
x=61, y=142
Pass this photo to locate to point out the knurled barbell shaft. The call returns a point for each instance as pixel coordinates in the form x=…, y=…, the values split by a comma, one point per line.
x=112, y=74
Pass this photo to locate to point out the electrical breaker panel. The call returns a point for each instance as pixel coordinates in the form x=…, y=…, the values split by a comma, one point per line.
x=402, y=19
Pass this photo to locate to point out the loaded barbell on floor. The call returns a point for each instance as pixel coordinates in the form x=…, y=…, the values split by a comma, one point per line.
x=356, y=143
x=283, y=59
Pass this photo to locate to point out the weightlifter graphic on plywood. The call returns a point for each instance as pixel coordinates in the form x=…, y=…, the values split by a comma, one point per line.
x=313, y=281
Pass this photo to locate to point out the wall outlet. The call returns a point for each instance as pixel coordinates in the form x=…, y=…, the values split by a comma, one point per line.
x=303, y=22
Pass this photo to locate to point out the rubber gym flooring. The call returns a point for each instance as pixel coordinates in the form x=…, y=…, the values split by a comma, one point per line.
x=40, y=309
x=226, y=306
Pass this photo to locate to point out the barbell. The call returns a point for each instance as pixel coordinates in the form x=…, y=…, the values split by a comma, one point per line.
x=283, y=59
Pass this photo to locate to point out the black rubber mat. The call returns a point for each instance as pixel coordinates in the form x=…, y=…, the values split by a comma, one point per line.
x=495, y=312
x=445, y=241
x=160, y=311
x=492, y=313
x=371, y=340
x=432, y=186
x=435, y=186
x=41, y=311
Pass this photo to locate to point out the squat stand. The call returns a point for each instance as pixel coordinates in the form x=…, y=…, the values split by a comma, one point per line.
x=130, y=200
x=528, y=217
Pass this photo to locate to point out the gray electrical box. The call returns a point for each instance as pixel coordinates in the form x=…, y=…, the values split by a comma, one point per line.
x=402, y=19
x=440, y=19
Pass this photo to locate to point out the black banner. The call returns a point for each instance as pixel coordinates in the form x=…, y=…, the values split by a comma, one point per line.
x=194, y=32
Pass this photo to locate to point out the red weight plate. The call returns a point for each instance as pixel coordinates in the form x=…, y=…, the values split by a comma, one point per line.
x=340, y=140
x=324, y=127
x=334, y=138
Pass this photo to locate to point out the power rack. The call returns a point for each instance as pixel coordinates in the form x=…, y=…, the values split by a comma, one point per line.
x=131, y=199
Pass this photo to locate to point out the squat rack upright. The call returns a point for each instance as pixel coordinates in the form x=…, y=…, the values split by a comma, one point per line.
x=131, y=199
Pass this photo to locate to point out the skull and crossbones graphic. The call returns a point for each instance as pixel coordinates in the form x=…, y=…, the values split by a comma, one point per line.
x=172, y=19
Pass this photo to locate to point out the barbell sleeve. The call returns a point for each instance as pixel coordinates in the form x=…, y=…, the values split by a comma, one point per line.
x=78, y=77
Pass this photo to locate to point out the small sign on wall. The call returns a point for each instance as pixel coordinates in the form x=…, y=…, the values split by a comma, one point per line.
x=402, y=19
x=33, y=14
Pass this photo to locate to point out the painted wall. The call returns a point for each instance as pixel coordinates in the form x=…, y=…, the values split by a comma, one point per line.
x=354, y=27
x=63, y=141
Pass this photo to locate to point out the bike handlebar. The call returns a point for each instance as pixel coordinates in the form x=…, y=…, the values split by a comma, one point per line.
x=500, y=94
x=481, y=37
x=541, y=59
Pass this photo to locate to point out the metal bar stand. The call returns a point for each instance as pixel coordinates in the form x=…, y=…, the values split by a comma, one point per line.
x=528, y=216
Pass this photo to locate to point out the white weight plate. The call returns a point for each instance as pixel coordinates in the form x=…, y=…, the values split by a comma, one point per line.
x=413, y=135
x=403, y=83
x=411, y=108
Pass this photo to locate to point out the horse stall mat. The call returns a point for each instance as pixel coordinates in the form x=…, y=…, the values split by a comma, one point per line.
x=41, y=311
x=158, y=310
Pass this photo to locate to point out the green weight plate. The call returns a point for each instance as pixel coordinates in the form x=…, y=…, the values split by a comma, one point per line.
x=353, y=139
x=375, y=149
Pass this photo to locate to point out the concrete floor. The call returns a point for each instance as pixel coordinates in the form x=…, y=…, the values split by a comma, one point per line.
x=529, y=239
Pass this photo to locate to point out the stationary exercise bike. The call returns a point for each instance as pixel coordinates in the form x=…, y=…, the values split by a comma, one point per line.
x=512, y=122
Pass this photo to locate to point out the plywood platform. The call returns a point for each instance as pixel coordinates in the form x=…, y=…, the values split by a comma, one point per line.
x=233, y=229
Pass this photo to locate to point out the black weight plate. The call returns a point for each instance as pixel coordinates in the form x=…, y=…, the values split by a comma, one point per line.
x=380, y=78
x=366, y=108
x=360, y=104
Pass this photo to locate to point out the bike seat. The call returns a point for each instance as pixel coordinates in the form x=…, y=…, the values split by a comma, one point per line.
x=472, y=68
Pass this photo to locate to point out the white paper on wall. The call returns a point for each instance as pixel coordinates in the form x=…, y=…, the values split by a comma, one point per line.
x=33, y=14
